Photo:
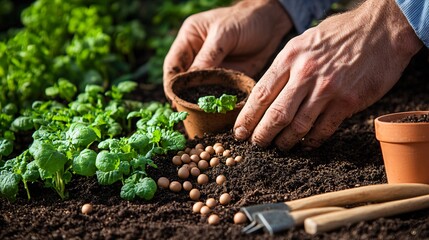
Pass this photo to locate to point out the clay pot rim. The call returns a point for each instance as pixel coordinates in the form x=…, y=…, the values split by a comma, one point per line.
x=389, y=119
x=389, y=131
x=175, y=98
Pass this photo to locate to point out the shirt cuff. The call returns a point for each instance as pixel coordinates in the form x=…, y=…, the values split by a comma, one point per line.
x=303, y=12
x=417, y=14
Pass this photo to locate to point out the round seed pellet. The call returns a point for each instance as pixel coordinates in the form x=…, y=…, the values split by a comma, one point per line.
x=199, y=151
x=193, y=151
x=240, y=218
x=180, y=153
x=202, y=179
x=211, y=202
x=195, y=158
x=230, y=161
x=163, y=182
x=203, y=164
x=183, y=172
x=205, y=210
x=214, y=162
x=175, y=186
x=187, y=186
x=199, y=146
x=205, y=155
x=185, y=158
x=219, y=150
x=210, y=150
x=186, y=166
x=192, y=164
x=225, y=199
x=187, y=150
x=195, y=171
x=196, y=208
x=220, y=179
x=195, y=194
x=226, y=153
x=86, y=208
x=238, y=159
x=213, y=219
x=176, y=160
x=217, y=145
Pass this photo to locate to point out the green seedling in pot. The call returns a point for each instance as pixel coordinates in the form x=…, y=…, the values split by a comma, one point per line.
x=223, y=104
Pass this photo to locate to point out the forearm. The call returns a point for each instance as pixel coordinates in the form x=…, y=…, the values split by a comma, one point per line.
x=417, y=14
x=303, y=12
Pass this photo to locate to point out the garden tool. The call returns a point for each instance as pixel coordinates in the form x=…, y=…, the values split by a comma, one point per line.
x=269, y=216
x=333, y=220
x=274, y=221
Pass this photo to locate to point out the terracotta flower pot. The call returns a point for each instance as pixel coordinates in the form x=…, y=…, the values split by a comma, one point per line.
x=199, y=122
x=405, y=147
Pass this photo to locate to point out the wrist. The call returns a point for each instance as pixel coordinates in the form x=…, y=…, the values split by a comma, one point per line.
x=401, y=34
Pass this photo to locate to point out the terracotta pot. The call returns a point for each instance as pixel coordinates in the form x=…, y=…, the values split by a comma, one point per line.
x=199, y=122
x=405, y=147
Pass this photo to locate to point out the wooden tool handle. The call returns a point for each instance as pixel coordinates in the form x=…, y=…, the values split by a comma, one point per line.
x=372, y=193
x=330, y=221
x=300, y=215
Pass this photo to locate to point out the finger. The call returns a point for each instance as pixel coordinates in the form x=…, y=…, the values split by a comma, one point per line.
x=325, y=126
x=261, y=97
x=279, y=114
x=182, y=52
x=213, y=51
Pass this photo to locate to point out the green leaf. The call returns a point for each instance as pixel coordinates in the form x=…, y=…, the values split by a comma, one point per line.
x=176, y=117
x=207, y=104
x=23, y=123
x=81, y=135
x=47, y=157
x=9, y=184
x=226, y=103
x=108, y=178
x=31, y=173
x=84, y=163
x=146, y=188
x=211, y=104
x=128, y=192
x=172, y=140
x=6, y=147
x=127, y=86
x=107, y=161
x=139, y=142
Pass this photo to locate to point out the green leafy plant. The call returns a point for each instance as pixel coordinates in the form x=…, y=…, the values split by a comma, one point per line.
x=223, y=104
x=91, y=136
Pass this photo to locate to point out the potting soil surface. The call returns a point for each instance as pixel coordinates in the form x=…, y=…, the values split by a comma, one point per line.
x=350, y=158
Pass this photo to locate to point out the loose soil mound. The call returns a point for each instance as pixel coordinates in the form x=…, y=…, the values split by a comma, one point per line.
x=350, y=158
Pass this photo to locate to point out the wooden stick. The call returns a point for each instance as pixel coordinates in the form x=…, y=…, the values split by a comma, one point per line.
x=333, y=220
x=300, y=215
x=372, y=193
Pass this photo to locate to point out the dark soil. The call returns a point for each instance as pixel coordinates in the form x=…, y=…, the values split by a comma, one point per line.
x=193, y=94
x=349, y=159
x=415, y=119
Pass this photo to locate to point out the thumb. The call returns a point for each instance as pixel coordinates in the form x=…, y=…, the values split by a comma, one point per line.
x=212, y=53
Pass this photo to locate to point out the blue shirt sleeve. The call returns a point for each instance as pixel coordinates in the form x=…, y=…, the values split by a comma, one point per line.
x=417, y=13
x=303, y=12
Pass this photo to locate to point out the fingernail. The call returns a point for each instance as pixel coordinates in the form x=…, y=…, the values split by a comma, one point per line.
x=241, y=133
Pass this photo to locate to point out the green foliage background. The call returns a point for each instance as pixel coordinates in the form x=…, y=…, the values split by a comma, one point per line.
x=86, y=42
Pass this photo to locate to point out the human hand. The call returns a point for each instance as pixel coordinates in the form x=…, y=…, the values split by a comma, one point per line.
x=241, y=37
x=328, y=73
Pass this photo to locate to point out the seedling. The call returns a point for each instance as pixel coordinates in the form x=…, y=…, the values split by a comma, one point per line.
x=211, y=104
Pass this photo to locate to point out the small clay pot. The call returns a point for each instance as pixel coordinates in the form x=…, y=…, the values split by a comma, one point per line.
x=405, y=147
x=199, y=122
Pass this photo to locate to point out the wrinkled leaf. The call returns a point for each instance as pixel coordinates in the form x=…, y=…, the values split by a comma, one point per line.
x=84, y=163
